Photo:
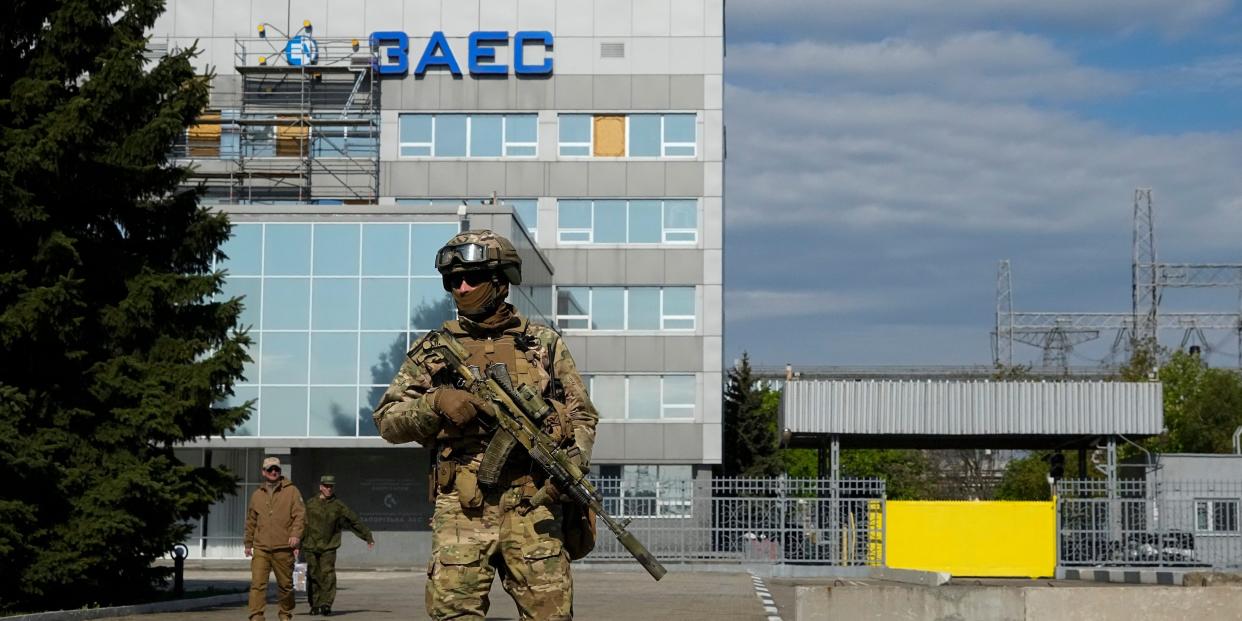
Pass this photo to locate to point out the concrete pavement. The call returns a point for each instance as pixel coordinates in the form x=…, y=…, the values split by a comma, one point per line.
x=378, y=595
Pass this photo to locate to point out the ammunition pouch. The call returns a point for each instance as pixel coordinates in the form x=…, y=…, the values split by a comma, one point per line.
x=462, y=478
x=468, y=490
x=446, y=473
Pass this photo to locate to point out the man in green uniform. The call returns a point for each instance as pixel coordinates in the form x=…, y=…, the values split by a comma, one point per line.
x=326, y=517
x=479, y=530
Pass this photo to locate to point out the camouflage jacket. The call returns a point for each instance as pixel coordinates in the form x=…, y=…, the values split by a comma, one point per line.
x=325, y=519
x=406, y=412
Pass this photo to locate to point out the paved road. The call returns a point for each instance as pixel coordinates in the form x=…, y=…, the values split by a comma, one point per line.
x=372, y=596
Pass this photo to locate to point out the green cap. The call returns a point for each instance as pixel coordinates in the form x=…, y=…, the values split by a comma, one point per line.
x=327, y=479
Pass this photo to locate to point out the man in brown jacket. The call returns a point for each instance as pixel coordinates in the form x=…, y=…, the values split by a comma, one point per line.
x=274, y=523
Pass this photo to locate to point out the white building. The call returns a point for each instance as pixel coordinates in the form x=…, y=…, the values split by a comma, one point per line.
x=597, y=122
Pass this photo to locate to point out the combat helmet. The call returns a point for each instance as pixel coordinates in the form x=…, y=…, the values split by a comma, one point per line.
x=480, y=250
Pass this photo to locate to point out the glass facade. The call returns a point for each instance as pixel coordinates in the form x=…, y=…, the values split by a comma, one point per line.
x=332, y=308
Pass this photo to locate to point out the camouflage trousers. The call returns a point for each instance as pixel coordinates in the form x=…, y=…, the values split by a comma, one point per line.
x=320, y=577
x=471, y=545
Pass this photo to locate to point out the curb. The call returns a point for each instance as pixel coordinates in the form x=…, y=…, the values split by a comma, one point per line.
x=178, y=605
x=1166, y=577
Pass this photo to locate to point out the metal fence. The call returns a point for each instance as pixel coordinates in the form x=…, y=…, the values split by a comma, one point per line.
x=1147, y=523
x=807, y=521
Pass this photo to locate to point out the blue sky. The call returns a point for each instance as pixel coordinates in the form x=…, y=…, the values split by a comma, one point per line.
x=883, y=155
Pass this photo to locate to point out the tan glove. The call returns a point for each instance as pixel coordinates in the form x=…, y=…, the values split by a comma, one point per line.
x=458, y=406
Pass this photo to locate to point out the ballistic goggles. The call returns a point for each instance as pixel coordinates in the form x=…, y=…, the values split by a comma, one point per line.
x=467, y=254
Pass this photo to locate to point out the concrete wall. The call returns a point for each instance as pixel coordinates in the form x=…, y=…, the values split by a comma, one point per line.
x=1001, y=603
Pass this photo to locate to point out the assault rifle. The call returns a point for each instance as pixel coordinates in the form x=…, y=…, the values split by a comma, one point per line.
x=519, y=412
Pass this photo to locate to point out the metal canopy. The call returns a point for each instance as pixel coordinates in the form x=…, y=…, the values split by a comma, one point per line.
x=967, y=414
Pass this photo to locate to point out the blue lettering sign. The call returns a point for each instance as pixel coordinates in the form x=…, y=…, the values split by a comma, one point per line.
x=393, y=48
x=430, y=58
x=480, y=51
x=520, y=41
x=396, y=48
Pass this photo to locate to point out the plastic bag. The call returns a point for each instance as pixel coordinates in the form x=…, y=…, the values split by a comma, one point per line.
x=299, y=577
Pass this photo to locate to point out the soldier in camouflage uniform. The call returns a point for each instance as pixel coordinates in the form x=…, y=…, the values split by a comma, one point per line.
x=477, y=531
x=326, y=517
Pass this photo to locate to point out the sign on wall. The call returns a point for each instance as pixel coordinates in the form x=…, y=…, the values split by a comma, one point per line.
x=302, y=50
x=532, y=53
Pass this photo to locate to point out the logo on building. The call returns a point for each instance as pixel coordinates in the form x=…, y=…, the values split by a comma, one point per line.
x=531, y=53
x=302, y=50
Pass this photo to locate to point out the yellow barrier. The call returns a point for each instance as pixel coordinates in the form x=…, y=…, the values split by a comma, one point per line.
x=992, y=538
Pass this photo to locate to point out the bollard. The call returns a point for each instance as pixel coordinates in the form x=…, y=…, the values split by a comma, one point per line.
x=179, y=552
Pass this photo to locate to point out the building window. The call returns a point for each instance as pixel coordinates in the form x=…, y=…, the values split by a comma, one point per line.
x=332, y=307
x=671, y=135
x=625, y=308
x=468, y=135
x=654, y=221
x=527, y=209
x=1216, y=516
x=647, y=490
x=347, y=140
x=643, y=397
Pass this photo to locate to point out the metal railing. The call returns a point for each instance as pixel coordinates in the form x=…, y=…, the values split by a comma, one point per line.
x=1144, y=523
x=798, y=521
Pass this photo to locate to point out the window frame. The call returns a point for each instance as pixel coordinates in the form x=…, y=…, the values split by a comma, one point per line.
x=665, y=144
x=589, y=144
x=664, y=504
x=664, y=317
x=505, y=143
x=664, y=406
x=1233, y=505
x=664, y=230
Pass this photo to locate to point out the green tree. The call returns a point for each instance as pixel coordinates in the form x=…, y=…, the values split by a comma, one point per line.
x=1202, y=407
x=905, y=471
x=750, y=439
x=1026, y=478
x=115, y=348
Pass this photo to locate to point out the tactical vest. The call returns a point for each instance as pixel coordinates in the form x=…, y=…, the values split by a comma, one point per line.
x=465, y=447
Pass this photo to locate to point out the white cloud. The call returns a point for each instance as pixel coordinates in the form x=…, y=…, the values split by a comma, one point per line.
x=893, y=150
x=884, y=163
x=1209, y=75
x=975, y=65
x=863, y=18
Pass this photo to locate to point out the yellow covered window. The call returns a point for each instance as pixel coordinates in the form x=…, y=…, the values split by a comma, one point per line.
x=609, y=136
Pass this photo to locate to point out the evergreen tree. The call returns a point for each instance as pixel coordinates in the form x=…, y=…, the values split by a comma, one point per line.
x=114, y=347
x=750, y=434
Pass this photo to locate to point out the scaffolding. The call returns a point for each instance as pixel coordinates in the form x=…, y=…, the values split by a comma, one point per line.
x=302, y=126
